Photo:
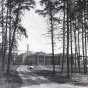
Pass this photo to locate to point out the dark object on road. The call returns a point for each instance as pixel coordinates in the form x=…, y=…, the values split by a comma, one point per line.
x=31, y=67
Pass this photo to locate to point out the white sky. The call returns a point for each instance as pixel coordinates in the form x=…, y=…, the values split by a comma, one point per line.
x=36, y=26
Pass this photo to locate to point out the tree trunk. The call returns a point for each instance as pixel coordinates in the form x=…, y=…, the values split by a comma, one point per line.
x=2, y=11
x=5, y=43
x=63, y=40
x=78, y=51
x=11, y=43
x=52, y=39
x=85, y=41
x=68, y=70
x=83, y=53
x=71, y=46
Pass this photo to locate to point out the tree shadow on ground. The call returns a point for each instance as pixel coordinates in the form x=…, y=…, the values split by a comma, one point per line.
x=56, y=78
x=79, y=79
x=13, y=80
x=78, y=83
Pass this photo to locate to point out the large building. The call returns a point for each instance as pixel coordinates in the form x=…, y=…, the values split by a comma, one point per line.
x=38, y=58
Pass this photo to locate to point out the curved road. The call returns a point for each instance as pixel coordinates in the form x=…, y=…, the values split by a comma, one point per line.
x=32, y=80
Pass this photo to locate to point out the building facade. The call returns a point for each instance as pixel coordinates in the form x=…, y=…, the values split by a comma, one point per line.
x=38, y=59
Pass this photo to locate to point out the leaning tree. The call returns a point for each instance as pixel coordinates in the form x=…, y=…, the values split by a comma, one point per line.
x=14, y=11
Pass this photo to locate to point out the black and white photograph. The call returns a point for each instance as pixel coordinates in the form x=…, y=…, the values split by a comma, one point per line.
x=43, y=43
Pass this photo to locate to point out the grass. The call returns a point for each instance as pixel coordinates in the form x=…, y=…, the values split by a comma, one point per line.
x=11, y=80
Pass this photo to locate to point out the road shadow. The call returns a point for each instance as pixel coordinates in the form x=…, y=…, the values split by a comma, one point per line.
x=40, y=76
x=45, y=76
x=80, y=79
x=53, y=77
x=12, y=80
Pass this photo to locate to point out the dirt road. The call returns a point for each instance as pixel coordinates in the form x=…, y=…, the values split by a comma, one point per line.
x=32, y=79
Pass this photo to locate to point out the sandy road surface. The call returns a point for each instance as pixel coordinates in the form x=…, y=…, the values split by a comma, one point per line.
x=32, y=80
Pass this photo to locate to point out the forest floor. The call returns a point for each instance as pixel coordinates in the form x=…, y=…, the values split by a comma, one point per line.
x=41, y=77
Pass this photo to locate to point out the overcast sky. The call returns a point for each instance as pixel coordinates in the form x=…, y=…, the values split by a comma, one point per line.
x=36, y=28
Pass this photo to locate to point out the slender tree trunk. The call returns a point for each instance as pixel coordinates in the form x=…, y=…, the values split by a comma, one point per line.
x=52, y=39
x=83, y=53
x=11, y=43
x=2, y=13
x=78, y=51
x=68, y=70
x=71, y=46
x=75, y=46
x=85, y=42
x=5, y=43
x=63, y=40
